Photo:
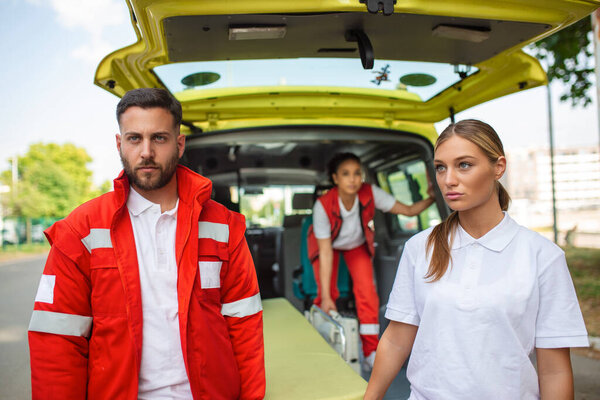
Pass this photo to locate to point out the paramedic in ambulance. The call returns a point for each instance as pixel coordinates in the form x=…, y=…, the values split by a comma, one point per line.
x=342, y=224
x=149, y=291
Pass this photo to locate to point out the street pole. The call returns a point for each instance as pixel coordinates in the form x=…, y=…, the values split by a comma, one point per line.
x=15, y=180
x=15, y=171
x=551, y=134
x=595, y=16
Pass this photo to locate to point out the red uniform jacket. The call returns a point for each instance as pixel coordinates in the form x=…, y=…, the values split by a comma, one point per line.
x=85, y=334
x=332, y=207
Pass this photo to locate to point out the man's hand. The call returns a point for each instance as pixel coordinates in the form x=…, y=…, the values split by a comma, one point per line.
x=328, y=305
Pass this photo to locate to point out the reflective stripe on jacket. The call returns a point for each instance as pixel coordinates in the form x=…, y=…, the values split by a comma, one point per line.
x=332, y=207
x=85, y=334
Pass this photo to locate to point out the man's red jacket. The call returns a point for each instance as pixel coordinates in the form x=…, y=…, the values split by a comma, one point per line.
x=85, y=335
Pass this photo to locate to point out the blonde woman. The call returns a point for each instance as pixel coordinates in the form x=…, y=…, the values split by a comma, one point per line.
x=474, y=296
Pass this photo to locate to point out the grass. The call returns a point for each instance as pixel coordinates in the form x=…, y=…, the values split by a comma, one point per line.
x=584, y=265
x=11, y=251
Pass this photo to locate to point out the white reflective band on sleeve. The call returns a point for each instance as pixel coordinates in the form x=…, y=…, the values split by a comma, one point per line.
x=214, y=231
x=242, y=308
x=369, y=329
x=210, y=274
x=45, y=292
x=97, y=239
x=60, y=324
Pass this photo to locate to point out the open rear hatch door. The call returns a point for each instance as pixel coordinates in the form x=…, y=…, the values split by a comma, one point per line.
x=242, y=63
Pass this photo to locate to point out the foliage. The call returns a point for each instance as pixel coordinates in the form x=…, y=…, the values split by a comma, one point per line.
x=11, y=251
x=585, y=269
x=584, y=265
x=52, y=180
x=569, y=59
x=105, y=187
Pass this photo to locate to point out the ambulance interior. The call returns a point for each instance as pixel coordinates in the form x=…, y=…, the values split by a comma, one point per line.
x=273, y=175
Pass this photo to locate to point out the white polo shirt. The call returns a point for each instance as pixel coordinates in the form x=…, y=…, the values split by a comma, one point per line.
x=351, y=235
x=162, y=370
x=504, y=294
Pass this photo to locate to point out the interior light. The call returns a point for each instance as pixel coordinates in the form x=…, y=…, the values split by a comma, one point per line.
x=200, y=79
x=418, y=80
x=467, y=33
x=256, y=32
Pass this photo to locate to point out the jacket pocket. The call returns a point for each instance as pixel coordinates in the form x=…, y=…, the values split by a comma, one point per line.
x=210, y=274
x=107, y=296
x=213, y=258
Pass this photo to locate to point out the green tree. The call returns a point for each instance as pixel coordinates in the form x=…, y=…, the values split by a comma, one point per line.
x=53, y=179
x=104, y=187
x=569, y=59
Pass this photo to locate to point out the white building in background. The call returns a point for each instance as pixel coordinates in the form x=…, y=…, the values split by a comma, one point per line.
x=577, y=177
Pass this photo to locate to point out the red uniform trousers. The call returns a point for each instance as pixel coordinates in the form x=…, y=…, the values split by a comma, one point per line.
x=363, y=286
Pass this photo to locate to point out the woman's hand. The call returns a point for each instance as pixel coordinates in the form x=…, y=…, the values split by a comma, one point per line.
x=418, y=207
x=555, y=374
x=325, y=267
x=430, y=190
x=328, y=305
x=393, y=350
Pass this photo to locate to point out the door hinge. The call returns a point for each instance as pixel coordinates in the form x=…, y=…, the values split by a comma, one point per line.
x=389, y=117
x=213, y=118
x=385, y=6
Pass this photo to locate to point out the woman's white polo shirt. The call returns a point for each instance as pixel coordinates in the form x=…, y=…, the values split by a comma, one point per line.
x=503, y=295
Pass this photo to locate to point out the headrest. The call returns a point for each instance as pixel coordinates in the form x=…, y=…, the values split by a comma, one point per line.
x=302, y=201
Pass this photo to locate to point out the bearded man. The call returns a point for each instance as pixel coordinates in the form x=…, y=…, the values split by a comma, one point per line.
x=149, y=291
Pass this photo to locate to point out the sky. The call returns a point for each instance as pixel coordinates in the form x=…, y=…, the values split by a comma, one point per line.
x=50, y=52
x=51, y=49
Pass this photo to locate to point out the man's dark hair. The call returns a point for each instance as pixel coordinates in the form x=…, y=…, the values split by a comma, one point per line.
x=150, y=98
x=337, y=160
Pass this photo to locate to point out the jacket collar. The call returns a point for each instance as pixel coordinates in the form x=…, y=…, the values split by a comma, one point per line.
x=333, y=203
x=136, y=203
x=190, y=187
x=496, y=239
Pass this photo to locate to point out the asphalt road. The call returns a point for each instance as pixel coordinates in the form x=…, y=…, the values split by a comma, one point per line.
x=18, y=285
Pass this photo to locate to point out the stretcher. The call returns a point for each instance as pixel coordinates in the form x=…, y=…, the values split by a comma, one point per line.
x=339, y=332
x=300, y=364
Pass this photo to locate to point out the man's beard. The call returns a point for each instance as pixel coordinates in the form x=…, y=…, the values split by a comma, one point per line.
x=166, y=172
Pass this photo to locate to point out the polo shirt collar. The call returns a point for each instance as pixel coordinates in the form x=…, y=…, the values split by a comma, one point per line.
x=496, y=239
x=137, y=204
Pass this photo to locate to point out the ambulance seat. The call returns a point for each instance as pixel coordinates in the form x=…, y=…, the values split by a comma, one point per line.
x=305, y=286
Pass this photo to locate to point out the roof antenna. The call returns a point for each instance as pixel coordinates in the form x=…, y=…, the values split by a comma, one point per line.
x=462, y=73
x=367, y=57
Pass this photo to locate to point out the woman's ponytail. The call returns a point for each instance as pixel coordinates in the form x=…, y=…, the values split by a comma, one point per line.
x=440, y=239
x=503, y=197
